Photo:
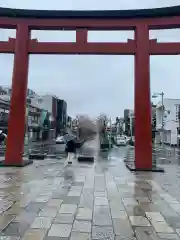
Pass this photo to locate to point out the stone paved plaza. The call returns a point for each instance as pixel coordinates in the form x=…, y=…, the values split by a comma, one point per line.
x=99, y=201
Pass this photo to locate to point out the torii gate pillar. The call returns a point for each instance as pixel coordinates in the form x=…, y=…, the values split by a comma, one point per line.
x=16, y=124
x=143, y=126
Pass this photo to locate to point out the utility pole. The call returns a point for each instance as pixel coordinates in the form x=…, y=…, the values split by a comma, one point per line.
x=110, y=135
x=162, y=99
x=179, y=124
x=117, y=125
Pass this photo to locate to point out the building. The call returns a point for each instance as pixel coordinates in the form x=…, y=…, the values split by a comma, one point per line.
x=4, y=113
x=46, y=108
x=6, y=92
x=69, y=122
x=126, y=121
x=33, y=112
x=119, y=125
x=75, y=126
x=48, y=104
x=57, y=112
x=33, y=120
x=168, y=126
x=61, y=117
x=2, y=91
x=31, y=93
x=129, y=122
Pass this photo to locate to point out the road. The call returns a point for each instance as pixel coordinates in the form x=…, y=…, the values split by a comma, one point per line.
x=49, y=147
x=57, y=149
x=92, y=147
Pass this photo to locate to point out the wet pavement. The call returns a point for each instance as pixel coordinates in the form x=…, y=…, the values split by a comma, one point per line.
x=161, y=155
x=49, y=147
x=89, y=201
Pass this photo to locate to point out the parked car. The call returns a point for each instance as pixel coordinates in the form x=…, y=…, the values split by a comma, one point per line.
x=120, y=141
x=60, y=140
x=127, y=139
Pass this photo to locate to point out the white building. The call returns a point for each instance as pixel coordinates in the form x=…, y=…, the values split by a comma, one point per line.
x=170, y=123
x=43, y=102
x=49, y=104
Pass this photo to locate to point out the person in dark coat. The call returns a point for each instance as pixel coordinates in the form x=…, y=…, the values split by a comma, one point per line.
x=71, y=146
x=71, y=150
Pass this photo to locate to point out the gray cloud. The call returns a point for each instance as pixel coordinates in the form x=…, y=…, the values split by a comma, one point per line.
x=94, y=84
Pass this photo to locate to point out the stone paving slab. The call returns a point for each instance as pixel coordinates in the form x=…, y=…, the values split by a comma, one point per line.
x=96, y=201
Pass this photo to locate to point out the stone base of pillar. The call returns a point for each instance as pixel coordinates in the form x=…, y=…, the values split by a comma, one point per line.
x=132, y=168
x=24, y=163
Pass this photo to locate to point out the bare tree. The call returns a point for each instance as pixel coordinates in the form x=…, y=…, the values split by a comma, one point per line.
x=87, y=127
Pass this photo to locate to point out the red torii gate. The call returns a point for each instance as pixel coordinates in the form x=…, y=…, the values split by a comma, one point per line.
x=141, y=21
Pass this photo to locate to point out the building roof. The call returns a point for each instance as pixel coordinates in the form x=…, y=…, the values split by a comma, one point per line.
x=102, y=14
x=3, y=102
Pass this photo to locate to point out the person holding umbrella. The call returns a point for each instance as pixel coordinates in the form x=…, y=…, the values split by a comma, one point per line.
x=70, y=148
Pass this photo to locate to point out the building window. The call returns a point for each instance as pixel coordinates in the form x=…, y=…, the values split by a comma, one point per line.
x=28, y=101
x=40, y=101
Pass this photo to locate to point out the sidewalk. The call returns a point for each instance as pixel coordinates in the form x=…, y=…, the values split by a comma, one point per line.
x=100, y=201
x=166, y=147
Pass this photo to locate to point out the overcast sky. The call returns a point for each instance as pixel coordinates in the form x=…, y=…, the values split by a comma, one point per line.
x=93, y=84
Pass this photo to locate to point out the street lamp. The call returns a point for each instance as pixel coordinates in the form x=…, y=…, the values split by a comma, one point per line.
x=155, y=95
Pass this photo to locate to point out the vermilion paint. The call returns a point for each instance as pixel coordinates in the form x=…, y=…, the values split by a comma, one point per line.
x=141, y=47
